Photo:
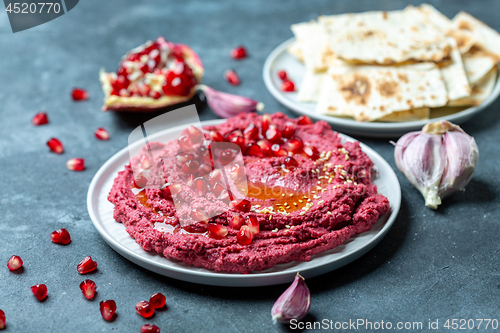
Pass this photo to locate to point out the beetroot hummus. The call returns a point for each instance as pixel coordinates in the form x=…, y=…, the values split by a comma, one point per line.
x=305, y=193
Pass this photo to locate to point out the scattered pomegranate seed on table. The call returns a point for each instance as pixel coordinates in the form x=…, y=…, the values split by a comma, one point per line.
x=2, y=320
x=40, y=291
x=87, y=265
x=76, y=164
x=150, y=328
x=102, y=134
x=79, y=94
x=108, y=309
x=232, y=77
x=239, y=52
x=288, y=86
x=55, y=146
x=14, y=263
x=158, y=300
x=282, y=75
x=145, y=309
x=88, y=288
x=40, y=119
x=61, y=236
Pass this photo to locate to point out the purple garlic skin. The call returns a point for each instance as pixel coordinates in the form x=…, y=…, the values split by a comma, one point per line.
x=438, y=161
x=228, y=105
x=294, y=303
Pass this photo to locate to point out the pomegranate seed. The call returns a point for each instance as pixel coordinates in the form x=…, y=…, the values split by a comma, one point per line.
x=237, y=172
x=231, y=134
x=190, y=180
x=224, y=196
x=144, y=90
x=217, y=189
x=144, y=309
x=108, y=309
x=76, y=164
x=198, y=215
x=40, y=119
x=244, y=236
x=79, y=94
x=215, y=177
x=60, y=236
x=200, y=186
x=232, y=77
x=294, y=145
x=254, y=149
x=55, y=146
x=288, y=86
x=216, y=136
x=311, y=152
x=87, y=265
x=239, y=52
x=181, y=159
x=282, y=75
x=88, y=288
x=226, y=156
x=240, y=141
x=194, y=134
x=40, y=291
x=155, y=94
x=102, y=134
x=288, y=131
x=290, y=163
x=14, y=263
x=217, y=231
x=168, y=190
x=190, y=167
x=158, y=300
x=236, y=222
x=204, y=169
x=244, y=205
x=2, y=320
x=206, y=155
x=140, y=181
x=304, y=120
x=266, y=121
x=145, y=162
x=150, y=328
x=265, y=146
x=251, y=132
x=185, y=142
x=273, y=134
x=278, y=150
x=252, y=223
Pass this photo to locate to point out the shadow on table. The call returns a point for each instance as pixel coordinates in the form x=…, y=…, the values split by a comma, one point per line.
x=133, y=119
x=475, y=192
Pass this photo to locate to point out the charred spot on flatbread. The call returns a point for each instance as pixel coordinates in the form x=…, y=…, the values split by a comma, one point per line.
x=465, y=26
x=388, y=88
x=356, y=89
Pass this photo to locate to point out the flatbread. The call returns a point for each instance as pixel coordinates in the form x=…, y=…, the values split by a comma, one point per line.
x=386, y=37
x=409, y=115
x=369, y=93
x=480, y=91
x=295, y=49
x=310, y=88
x=455, y=78
x=485, y=37
x=477, y=64
x=313, y=42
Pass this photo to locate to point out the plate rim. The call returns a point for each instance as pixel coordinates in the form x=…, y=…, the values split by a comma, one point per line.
x=364, y=126
x=223, y=278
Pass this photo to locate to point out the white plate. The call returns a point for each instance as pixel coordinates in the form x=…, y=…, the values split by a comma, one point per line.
x=281, y=59
x=114, y=233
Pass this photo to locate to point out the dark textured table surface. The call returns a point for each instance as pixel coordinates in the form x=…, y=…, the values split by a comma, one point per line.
x=432, y=265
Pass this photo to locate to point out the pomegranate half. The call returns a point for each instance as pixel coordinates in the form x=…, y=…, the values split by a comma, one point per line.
x=154, y=75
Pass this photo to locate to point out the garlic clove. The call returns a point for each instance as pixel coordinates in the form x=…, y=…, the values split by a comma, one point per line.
x=228, y=105
x=463, y=154
x=294, y=303
x=438, y=160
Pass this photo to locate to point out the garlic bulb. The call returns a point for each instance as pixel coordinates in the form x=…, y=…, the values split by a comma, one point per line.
x=438, y=161
x=228, y=105
x=294, y=303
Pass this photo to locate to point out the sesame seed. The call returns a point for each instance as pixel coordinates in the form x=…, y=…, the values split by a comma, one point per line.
x=291, y=195
x=313, y=191
x=302, y=213
x=320, y=202
x=330, y=180
x=270, y=217
x=329, y=213
x=275, y=230
x=283, y=194
x=287, y=226
x=300, y=201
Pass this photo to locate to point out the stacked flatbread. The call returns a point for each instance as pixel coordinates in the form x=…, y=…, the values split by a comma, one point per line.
x=397, y=65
